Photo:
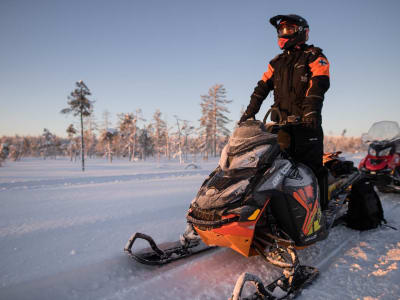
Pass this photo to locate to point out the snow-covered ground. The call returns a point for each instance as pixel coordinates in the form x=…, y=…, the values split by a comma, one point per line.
x=62, y=234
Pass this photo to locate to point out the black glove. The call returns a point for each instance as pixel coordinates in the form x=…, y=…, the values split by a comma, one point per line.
x=245, y=117
x=311, y=119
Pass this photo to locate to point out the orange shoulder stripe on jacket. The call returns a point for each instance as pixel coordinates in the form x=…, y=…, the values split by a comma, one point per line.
x=267, y=75
x=319, y=67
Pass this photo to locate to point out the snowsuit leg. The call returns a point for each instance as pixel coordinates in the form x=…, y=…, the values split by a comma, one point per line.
x=306, y=145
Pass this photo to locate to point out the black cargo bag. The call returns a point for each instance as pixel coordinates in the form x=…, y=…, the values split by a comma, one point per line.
x=365, y=208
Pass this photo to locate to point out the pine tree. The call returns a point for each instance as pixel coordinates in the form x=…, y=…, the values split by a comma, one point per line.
x=48, y=144
x=146, y=145
x=126, y=128
x=213, y=121
x=71, y=131
x=107, y=137
x=80, y=106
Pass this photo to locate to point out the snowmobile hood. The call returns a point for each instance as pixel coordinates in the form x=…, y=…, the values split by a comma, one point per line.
x=210, y=197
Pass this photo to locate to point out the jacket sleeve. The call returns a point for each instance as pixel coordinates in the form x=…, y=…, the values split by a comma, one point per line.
x=261, y=91
x=318, y=84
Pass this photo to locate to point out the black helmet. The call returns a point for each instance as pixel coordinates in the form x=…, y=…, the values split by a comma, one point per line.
x=291, y=30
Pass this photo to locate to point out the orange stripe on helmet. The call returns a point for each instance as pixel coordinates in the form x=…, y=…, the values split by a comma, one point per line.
x=268, y=75
x=319, y=67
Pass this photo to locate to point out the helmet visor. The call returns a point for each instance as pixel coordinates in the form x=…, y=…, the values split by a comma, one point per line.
x=286, y=29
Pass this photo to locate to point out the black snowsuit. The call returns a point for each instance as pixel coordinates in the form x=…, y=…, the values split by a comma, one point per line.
x=299, y=78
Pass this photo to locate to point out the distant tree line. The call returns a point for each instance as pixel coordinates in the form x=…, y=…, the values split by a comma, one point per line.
x=134, y=143
x=344, y=144
x=132, y=137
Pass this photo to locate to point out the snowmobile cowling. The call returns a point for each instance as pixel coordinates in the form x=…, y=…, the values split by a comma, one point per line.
x=250, y=177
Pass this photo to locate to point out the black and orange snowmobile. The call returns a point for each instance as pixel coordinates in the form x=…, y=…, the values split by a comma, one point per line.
x=258, y=201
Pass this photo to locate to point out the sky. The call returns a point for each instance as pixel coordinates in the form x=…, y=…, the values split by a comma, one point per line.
x=164, y=55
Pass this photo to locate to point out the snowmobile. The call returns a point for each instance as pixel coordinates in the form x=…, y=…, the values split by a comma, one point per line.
x=382, y=163
x=258, y=201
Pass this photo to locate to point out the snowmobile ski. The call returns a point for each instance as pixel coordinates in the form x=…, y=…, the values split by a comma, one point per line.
x=163, y=253
x=280, y=289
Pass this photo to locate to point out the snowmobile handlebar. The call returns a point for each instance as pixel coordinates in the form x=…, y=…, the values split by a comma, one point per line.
x=291, y=120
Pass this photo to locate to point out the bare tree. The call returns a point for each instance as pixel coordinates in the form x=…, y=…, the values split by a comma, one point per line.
x=128, y=131
x=80, y=106
x=90, y=124
x=179, y=132
x=167, y=140
x=205, y=129
x=159, y=127
x=187, y=130
x=106, y=120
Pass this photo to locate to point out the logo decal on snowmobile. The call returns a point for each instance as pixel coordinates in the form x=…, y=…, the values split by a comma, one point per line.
x=281, y=174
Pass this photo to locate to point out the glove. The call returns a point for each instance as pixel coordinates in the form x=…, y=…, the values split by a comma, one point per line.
x=245, y=117
x=311, y=119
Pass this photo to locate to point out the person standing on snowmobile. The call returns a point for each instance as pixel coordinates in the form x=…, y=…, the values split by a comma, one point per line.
x=299, y=78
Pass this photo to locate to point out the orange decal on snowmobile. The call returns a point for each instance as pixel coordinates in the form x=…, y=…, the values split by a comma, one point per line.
x=236, y=235
x=254, y=215
x=228, y=216
x=310, y=211
x=309, y=191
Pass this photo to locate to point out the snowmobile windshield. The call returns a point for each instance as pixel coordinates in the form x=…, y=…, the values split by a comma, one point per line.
x=382, y=131
x=249, y=159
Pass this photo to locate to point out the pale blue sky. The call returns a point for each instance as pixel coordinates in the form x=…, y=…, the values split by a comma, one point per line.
x=165, y=54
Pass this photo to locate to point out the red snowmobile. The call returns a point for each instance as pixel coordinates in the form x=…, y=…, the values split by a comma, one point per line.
x=382, y=163
x=258, y=201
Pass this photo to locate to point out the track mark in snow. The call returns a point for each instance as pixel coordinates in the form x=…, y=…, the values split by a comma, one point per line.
x=49, y=224
x=131, y=217
x=104, y=280
x=36, y=184
x=324, y=263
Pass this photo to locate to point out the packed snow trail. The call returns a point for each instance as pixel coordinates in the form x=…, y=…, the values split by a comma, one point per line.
x=66, y=241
